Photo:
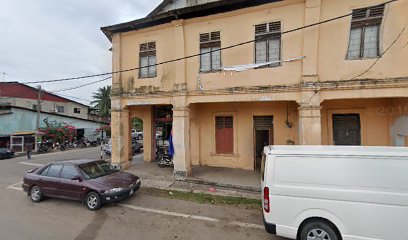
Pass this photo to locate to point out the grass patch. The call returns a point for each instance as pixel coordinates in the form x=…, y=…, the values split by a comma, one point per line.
x=204, y=198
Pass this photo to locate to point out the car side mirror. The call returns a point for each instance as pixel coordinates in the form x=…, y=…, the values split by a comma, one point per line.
x=77, y=178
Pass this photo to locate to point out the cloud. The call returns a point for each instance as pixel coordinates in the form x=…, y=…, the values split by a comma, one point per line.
x=48, y=39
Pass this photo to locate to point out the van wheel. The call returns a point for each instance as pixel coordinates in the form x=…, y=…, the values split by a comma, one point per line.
x=318, y=230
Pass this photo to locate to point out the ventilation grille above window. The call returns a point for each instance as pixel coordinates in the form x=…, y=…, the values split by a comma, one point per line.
x=224, y=122
x=151, y=46
x=261, y=28
x=368, y=13
x=268, y=28
x=210, y=37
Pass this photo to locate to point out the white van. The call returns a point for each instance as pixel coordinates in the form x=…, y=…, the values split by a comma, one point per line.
x=333, y=193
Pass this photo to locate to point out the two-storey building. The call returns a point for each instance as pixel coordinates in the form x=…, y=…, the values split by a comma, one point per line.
x=21, y=106
x=242, y=74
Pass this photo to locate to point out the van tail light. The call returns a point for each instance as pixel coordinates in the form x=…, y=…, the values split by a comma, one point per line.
x=266, y=203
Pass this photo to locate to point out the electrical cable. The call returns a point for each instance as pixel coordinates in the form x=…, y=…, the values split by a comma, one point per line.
x=79, y=86
x=199, y=54
x=381, y=55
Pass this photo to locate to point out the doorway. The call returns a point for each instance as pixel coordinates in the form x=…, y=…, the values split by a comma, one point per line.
x=346, y=129
x=263, y=136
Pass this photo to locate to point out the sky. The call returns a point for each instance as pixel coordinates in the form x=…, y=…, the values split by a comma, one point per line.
x=49, y=39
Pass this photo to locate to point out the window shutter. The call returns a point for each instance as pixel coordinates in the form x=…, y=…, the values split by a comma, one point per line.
x=143, y=47
x=377, y=11
x=204, y=37
x=367, y=16
x=359, y=14
x=224, y=135
x=215, y=36
x=275, y=27
x=261, y=29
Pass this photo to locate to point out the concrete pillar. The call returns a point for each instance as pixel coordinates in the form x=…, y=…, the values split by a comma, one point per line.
x=181, y=141
x=311, y=41
x=310, y=125
x=116, y=64
x=121, y=138
x=179, y=52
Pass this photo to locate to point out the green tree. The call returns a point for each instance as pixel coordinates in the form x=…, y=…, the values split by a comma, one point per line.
x=102, y=101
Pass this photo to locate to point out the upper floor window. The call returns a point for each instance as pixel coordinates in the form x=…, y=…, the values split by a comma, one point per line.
x=60, y=109
x=365, y=32
x=77, y=110
x=147, y=60
x=210, y=45
x=268, y=43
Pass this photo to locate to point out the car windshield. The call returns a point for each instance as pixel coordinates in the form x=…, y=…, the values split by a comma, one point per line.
x=96, y=169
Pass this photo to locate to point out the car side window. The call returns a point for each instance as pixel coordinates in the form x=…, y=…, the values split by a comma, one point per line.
x=69, y=172
x=45, y=171
x=54, y=170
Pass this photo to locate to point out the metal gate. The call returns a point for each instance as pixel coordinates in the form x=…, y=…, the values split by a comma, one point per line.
x=346, y=129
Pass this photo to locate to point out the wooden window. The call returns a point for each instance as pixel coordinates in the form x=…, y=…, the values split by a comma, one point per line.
x=60, y=109
x=268, y=43
x=224, y=135
x=210, y=45
x=365, y=32
x=147, y=60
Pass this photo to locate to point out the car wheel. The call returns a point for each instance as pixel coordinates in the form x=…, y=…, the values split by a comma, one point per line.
x=140, y=137
x=318, y=230
x=36, y=194
x=93, y=201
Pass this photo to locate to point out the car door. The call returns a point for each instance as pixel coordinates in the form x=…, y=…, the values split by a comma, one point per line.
x=49, y=180
x=70, y=189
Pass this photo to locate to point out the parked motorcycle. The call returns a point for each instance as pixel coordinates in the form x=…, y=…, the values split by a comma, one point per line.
x=162, y=157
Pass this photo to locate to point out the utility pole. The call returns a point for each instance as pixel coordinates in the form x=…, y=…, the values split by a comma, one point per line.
x=3, y=75
x=39, y=96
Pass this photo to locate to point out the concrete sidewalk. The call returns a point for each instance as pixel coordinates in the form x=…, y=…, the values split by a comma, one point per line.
x=209, y=180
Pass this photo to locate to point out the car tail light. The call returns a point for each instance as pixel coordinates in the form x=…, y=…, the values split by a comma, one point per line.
x=266, y=203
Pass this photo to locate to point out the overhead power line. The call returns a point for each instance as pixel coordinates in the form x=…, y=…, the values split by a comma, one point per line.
x=381, y=55
x=79, y=86
x=199, y=54
x=73, y=97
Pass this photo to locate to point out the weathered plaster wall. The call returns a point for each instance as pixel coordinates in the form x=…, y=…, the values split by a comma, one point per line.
x=243, y=113
x=334, y=38
x=381, y=119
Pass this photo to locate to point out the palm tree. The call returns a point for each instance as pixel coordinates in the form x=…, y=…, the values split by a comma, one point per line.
x=102, y=101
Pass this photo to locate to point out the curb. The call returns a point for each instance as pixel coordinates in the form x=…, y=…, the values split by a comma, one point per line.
x=230, y=186
x=195, y=187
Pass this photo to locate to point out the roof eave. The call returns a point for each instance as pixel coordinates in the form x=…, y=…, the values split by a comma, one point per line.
x=182, y=13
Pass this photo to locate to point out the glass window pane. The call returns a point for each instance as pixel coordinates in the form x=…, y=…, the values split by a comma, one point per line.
x=371, y=41
x=69, y=172
x=205, y=59
x=152, y=69
x=54, y=170
x=216, y=58
x=355, y=43
x=260, y=51
x=44, y=172
x=274, y=50
x=143, y=63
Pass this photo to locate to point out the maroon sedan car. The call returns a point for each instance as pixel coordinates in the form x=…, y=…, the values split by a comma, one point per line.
x=93, y=182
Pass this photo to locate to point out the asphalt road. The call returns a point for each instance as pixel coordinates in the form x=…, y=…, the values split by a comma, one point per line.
x=139, y=217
